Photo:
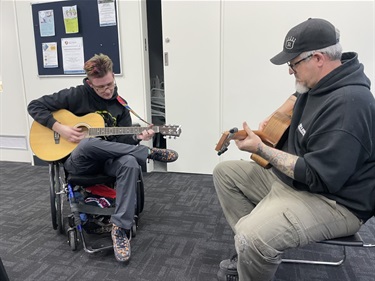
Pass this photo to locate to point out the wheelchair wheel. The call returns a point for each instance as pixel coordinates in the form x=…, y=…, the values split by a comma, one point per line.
x=52, y=194
x=56, y=197
x=134, y=230
x=72, y=236
x=140, y=194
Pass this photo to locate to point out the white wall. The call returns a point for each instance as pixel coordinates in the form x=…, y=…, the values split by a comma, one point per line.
x=254, y=31
x=219, y=72
x=12, y=99
x=20, y=77
x=234, y=82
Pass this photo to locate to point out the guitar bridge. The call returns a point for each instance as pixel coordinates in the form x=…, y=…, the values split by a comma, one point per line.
x=56, y=137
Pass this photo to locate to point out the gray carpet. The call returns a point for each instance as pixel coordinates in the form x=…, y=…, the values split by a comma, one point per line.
x=182, y=235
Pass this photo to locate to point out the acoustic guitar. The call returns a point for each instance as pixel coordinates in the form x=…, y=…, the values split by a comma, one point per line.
x=273, y=135
x=49, y=146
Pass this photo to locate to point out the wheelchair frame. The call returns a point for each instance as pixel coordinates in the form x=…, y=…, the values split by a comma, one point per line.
x=62, y=189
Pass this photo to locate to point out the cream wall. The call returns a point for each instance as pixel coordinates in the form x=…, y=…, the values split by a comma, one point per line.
x=20, y=77
x=219, y=73
x=254, y=31
x=13, y=118
x=221, y=77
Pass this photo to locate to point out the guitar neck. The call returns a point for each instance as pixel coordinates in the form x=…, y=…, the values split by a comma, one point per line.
x=240, y=135
x=108, y=131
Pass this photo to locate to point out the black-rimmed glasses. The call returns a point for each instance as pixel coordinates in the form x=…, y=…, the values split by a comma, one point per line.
x=103, y=88
x=293, y=65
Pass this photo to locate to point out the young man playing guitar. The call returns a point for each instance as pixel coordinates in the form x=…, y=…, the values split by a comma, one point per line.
x=322, y=181
x=118, y=155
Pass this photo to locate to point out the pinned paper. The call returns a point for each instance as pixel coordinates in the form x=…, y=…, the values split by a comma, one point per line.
x=50, y=59
x=46, y=23
x=70, y=19
x=73, y=57
x=107, y=12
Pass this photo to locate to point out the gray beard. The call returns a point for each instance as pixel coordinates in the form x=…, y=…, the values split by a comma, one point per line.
x=300, y=88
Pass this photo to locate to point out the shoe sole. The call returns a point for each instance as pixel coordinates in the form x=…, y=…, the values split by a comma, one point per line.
x=226, y=276
x=123, y=261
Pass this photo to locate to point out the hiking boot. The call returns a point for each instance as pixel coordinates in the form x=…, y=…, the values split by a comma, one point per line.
x=162, y=155
x=121, y=243
x=228, y=269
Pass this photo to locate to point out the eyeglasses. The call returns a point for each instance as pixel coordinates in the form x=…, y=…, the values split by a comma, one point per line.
x=293, y=65
x=103, y=88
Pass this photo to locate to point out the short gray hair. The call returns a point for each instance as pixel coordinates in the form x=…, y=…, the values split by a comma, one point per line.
x=334, y=52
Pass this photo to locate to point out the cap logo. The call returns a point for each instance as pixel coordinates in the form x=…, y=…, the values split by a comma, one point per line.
x=289, y=42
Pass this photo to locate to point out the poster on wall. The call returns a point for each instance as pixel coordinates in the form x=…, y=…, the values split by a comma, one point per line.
x=107, y=12
x=50, y=59
x=80, y=19
x=70, y=19
x=72, y=54
x=46, y=23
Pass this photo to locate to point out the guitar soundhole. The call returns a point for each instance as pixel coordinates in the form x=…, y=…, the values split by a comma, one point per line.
x=84, y=129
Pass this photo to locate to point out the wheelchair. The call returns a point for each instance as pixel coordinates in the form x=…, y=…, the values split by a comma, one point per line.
x=83, y=219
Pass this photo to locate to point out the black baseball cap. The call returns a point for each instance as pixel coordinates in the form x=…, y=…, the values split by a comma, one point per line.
x=312, y=34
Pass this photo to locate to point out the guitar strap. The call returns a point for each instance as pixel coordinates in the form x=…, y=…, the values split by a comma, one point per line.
x=123, y=102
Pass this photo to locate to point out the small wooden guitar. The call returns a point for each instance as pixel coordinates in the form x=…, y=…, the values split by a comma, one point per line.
x=273, y=134
x=49, y=146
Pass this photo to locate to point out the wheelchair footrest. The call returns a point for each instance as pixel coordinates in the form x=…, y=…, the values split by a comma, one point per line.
x=94, y=210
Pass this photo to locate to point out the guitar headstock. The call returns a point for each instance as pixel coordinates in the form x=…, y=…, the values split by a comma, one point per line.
x=170, y=130
x=224, y=141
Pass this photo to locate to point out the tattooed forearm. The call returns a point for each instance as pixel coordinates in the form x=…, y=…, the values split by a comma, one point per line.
x=281, y=160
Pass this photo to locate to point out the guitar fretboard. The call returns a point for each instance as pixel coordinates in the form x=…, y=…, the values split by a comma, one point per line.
x=107, y=131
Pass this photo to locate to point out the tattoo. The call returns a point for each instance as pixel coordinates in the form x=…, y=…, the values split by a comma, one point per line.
x=281, y=160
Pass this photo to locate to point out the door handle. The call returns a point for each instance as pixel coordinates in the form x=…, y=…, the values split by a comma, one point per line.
x=166, y=59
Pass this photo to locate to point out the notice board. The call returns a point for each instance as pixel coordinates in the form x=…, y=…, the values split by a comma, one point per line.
x=96, y=33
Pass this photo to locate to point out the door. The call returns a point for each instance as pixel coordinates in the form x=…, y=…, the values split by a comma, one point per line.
x=191, y=46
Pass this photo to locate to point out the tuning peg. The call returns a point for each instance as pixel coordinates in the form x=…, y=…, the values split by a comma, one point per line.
x=222, y=151
x=233, y=130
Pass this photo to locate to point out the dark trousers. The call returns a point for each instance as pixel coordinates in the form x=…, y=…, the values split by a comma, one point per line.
x=123, y=161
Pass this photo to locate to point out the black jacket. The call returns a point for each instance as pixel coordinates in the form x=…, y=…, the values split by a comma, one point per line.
x=333, y=133
x=82, y=100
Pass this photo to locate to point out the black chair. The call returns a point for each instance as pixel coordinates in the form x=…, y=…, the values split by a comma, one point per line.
x=63, y=187
x=3, y=273
x=348, y=241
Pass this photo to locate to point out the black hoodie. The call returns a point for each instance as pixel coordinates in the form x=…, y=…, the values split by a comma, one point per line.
x=333, y=133
x=82, y=100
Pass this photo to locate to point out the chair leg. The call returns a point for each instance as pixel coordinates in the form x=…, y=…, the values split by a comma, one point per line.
x=3, y=273
x=316, y=262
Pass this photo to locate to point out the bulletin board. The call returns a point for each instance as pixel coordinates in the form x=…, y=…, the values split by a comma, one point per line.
x=96, y=33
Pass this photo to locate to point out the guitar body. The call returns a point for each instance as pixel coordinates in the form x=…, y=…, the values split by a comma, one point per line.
x=49, y=146
x=275, y=130
x=273, y=134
